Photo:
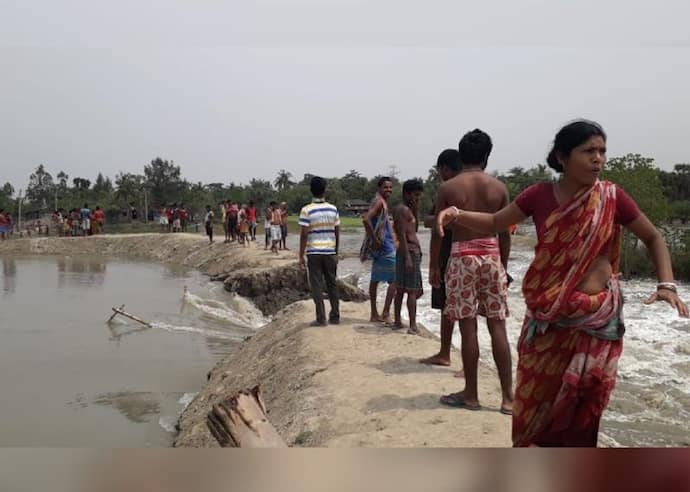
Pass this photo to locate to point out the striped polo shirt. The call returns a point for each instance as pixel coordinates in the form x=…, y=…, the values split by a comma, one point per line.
x=321, y=218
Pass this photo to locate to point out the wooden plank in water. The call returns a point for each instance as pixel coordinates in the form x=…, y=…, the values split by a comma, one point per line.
x=124, y=313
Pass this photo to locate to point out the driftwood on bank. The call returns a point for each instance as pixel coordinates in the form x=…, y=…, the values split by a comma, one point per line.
x=241, y=422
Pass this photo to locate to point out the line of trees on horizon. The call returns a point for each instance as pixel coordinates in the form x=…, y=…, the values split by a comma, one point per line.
x=663, y=195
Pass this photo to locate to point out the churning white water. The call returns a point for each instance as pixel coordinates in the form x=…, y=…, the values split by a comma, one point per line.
x=651, y=403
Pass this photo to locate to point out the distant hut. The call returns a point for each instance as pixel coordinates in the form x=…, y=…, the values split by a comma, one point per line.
x=356, y=207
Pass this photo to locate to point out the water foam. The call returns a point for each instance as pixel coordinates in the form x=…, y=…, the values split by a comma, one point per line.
x=167, y=423
x=240, y=311
x=186, y=399
x=161, y=325
x=656, y=345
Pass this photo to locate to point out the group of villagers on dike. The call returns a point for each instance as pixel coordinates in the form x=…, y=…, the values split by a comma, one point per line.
x=572, y=334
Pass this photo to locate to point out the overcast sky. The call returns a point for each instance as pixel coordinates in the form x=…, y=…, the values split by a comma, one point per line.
x=240, y=89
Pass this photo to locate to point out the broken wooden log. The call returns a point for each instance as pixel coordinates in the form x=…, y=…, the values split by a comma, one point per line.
x=124, y=313
x=241, y=422
x=115, y=313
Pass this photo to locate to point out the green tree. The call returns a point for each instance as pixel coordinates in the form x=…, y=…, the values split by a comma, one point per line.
x=129, y=188
x=41, y=187
x=676, y=183
x=639, y=177
x=260, y=191
x=63, y=179
x=518, y=178
x=102, y=185
x=680, y=210
x=162, y=179
x=6, y=194
x=353, y=184
x=8, y=189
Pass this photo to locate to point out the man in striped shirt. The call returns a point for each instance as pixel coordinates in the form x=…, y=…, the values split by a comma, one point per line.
x=320, y=234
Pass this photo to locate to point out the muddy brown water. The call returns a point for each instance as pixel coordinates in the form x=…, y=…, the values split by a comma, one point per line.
x=69, y=379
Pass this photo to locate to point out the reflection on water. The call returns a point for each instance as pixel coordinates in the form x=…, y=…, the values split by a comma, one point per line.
x=9, y=275
x=138, y=406
x=84, y=271
x=94, y=384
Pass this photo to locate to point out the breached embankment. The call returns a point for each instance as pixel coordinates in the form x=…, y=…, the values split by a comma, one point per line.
x=353, y=384
x=356, y=384
x=270, y=281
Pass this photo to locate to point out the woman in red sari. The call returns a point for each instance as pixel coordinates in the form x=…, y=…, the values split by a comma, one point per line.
x=571, y=337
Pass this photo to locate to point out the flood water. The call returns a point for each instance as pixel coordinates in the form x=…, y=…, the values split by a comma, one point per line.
x=70, y=379
x=651, y=403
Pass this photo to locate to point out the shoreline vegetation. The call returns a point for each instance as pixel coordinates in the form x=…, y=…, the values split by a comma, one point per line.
x=356, y=384
x=664, y=196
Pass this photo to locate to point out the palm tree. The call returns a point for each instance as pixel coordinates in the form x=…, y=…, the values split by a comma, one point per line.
x=283, y=180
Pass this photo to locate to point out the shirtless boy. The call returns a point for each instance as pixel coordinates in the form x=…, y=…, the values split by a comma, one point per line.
x=276, y=220
x=283, y=225
x=476, y=281
x=408, y=258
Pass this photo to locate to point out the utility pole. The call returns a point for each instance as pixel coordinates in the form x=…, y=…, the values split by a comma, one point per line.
x=146, y=208
x=20, y=198
x=56, y=199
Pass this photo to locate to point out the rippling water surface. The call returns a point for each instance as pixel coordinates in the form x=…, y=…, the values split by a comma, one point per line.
x=651, y=403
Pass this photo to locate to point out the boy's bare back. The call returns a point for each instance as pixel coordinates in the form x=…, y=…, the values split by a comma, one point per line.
x=474, y=191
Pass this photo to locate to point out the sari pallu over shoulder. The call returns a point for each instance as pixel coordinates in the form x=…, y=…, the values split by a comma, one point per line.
x=575, y=234
x=570, y=341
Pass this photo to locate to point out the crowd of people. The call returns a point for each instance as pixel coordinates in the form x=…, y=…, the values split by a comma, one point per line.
x=240, y=224
x=572, y=334
x=79, y=222
x=173, y=218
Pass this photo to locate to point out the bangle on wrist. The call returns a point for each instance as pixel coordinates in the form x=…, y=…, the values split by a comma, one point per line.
x=672, y=286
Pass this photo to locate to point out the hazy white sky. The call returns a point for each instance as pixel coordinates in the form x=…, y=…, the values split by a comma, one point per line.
x=239, y=89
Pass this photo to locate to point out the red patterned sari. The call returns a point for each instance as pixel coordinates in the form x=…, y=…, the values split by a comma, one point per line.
x=570, y=342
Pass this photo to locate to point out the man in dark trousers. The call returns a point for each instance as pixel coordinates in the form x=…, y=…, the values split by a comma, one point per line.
x=448, y=166
x=319, y=239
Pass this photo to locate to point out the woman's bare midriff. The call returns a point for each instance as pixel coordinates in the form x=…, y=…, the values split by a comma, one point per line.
x=599, y=273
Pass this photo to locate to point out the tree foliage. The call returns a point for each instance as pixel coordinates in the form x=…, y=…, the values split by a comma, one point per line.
x=639, y=177
x=162, y=179
x=41, y=187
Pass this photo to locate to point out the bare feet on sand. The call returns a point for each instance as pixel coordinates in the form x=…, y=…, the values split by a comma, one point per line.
x=435, y=360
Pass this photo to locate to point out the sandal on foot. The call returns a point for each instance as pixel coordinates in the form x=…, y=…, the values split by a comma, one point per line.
x=457, y=401
x=506, y=411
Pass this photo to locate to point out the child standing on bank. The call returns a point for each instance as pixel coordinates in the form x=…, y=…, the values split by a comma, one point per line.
x=208, y=223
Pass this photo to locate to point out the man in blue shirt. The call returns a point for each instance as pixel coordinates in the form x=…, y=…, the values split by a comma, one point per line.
x=85, y=219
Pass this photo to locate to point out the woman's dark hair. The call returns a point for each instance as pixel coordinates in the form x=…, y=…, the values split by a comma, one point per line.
x=570, y=136
x=317, y=186
x=475, y=147
x=449, y=158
